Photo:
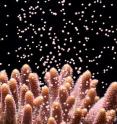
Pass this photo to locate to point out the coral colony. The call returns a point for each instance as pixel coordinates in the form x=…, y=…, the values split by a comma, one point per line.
x=51, y=29
x=23, y=101
x=50, y=33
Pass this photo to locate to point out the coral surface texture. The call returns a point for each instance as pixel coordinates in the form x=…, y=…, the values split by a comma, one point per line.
x=60, y=101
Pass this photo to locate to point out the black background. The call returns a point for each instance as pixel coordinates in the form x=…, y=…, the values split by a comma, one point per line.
x=10, y=43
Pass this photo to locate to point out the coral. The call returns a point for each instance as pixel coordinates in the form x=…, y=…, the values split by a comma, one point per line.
x=61, y=101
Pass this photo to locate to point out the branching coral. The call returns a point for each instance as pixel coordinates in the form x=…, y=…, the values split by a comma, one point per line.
x=61, y=101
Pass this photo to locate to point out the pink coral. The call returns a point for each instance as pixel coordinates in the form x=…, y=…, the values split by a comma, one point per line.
x=23, y=101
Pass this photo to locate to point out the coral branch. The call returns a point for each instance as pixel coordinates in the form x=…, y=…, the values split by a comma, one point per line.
x=34, y=83
x=51, y=120
x=10, y=110
x=57, y=112
x=25, y=71
x=27, y=115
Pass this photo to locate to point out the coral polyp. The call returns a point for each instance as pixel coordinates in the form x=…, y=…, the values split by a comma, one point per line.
x=60, y=101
